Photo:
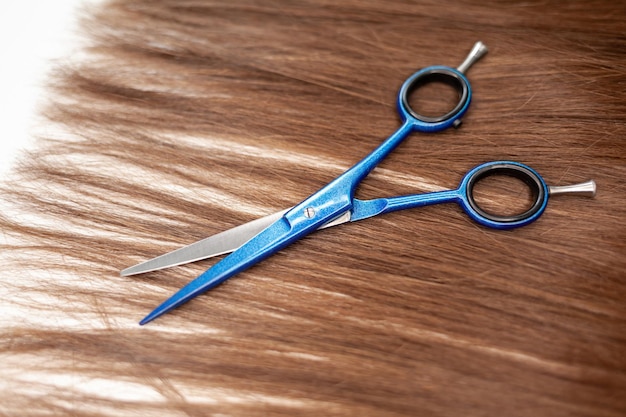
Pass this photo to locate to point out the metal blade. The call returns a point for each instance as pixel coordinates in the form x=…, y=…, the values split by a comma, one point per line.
x=219, y=244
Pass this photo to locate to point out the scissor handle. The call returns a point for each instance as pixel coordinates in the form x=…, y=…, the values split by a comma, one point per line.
x=532, y=179
x=452, y=76
x=441, y=74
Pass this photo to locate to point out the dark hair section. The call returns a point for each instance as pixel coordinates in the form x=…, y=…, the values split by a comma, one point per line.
x=181, y=119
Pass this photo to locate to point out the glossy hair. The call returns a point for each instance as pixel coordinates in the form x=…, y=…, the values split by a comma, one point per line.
x=181, y=119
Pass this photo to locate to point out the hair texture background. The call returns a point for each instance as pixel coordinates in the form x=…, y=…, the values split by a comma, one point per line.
x=185, y=118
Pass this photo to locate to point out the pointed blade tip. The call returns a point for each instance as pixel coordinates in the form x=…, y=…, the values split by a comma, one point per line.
x=125, y=273
x=136, y=269
x=157, y=312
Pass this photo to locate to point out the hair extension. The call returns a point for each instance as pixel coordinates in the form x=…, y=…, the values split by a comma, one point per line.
x=181, y=119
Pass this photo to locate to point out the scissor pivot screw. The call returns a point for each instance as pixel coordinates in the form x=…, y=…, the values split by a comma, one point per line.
x=309, y=212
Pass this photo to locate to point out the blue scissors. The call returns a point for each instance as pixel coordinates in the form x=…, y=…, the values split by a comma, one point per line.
x=335, y=203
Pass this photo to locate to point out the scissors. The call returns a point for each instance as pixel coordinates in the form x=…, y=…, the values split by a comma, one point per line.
x=335, y=203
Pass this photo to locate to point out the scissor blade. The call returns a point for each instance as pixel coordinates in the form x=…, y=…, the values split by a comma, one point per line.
x=272, y=239
x=219, y=244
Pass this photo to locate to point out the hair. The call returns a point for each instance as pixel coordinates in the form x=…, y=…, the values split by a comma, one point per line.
x=178, y=120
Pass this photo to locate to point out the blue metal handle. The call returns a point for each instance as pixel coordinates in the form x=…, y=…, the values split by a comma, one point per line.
x=337, y=197
x=437, y=73
x=525, y=173
x=413, y=121
x=464, y=196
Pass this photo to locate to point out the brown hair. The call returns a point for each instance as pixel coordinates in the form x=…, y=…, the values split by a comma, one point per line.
x=183, y=119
